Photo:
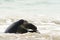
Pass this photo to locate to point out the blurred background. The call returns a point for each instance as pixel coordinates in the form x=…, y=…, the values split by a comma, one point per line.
x=29, y=7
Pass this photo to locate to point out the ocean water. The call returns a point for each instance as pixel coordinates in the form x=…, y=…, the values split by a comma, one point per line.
x=44, y=24
x=29, y=7
x=32, y=10
x=44, y=14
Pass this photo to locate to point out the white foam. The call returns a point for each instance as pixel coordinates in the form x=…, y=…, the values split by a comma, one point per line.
x=44, y=23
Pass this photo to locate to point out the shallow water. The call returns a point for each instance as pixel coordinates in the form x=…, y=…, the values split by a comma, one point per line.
x=45, y=24
x=44, y=14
